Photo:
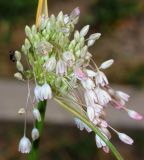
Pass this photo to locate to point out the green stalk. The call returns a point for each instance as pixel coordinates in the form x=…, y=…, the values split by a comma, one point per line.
x=95, y=129
x=39, y=125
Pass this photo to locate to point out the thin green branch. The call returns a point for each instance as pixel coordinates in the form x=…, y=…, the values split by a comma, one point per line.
x=89, y=124
x=39, y=125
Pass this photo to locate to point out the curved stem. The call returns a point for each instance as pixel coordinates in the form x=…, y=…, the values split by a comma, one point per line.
x=95, y=129
x=39, y=125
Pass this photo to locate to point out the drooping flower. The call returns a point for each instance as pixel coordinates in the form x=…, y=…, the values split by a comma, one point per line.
x=102, y=96
x=81, y=125
x=51, y=64
x=24, y=145
x=46, y=92
x=101, y=79
x=61, y=68
x=90, y=97
x=122, y=96
x=43, y=92
x=88, y=83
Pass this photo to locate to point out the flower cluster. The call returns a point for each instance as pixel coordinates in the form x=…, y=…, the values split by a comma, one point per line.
x=61, y=66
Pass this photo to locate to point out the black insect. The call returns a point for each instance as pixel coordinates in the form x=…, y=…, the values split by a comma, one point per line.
x=12, y=56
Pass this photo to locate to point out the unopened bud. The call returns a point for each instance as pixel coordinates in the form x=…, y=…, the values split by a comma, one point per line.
x=35, y=134
x=27, y=31
x=19, y=66
x=76, y=35
x=125, y=138
x=106, y=64
x=21, y=111
x=34, y=30
x=134, y=115
x=84, y=31
x=94, y=36
x=27, y=44
x=17, y=55
x=18, y=76
x=36, y=114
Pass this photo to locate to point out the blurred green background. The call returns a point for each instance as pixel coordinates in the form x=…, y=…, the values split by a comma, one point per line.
x=121, y=23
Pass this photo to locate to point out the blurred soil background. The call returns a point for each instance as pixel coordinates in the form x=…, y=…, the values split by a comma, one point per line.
x=121, y=23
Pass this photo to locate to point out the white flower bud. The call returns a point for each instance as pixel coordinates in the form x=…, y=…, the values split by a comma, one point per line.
x=84, y=51
x=34, y=30
x=75, y=13
x=21, y=111
x=19, y=66
x=76, y=36
x=24, y=50
x=35, y=134
x=68, y=56
x=125, y=138
x=84, y=31
x=24, y=145
x=27, y=44
x=90, y=42
x=18, y=76
x=36, y=114
x=106, y=64
x=27, y=31
x=51, y=64
x=94, y=36
x=78, y=53
x=60, y=16
x=134, y=115
x=66, y=19
x=17, y=55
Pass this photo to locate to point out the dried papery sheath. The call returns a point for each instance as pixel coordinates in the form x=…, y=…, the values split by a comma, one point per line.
x=63, y=69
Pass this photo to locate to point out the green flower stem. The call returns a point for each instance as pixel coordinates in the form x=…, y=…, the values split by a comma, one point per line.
x=39, y=125
x=95, y=129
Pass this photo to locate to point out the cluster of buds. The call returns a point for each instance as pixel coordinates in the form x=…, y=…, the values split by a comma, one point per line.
x=61, y=66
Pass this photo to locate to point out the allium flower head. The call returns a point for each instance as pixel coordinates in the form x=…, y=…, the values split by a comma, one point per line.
x=62, y=68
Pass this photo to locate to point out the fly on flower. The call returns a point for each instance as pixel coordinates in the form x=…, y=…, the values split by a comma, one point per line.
x=12, y=56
